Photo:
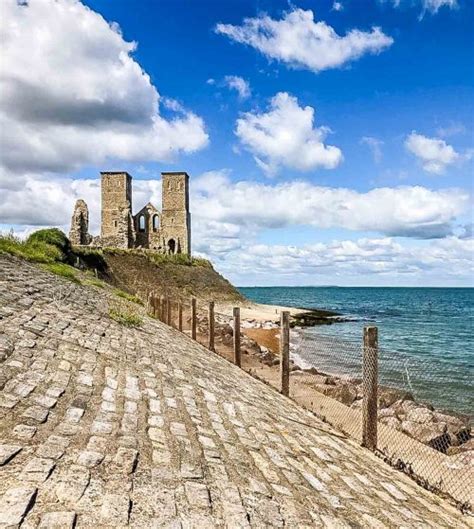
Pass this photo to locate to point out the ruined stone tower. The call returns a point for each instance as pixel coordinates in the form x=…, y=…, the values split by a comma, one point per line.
x=117, y=223
x=168, y=231
x=175, y=216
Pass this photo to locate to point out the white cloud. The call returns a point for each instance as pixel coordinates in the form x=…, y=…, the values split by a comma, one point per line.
x=300, y=42
x=337, y=6
x=433, y=6
x=239, y=84
x=434, y=154
x=285, y=136
x=72, y=93
x=239, y=210
x=362, y=261
x=375, y=146
x=453, y=129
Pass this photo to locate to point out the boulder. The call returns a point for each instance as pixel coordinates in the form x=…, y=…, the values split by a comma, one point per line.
x=392, y=422
x=343, y=393
x=420, y=415
x=386, y=412
x=431, y=434
x=388, y=396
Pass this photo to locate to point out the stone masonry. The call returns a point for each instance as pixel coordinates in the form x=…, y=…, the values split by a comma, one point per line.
x=167, y=232
x=107, y=426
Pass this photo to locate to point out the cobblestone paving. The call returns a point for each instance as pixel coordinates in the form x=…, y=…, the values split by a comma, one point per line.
x=107, y=426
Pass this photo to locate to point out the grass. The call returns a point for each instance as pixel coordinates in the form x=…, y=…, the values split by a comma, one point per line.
x=128, y=319
x=36, y=251
x=161, y=258
x=63, y=270
x=94, y=282
x=128, y=297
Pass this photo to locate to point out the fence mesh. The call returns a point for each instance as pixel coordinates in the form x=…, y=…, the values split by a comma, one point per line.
x=419, y=428
x=404, y=407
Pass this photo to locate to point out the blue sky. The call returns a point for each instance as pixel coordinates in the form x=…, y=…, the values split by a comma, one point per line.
x=343, y=160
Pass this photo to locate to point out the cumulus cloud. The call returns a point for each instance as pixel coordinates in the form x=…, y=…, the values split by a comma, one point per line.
x=239, y=210
x=239, y=84
x=285, y=136
x=435, y=154
x=433, y=6
x=375, y=146
x=72, y=93
x=362, y=261
x=300, y=42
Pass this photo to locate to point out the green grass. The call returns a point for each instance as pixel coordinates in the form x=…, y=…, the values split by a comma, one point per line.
x=128, y=297
x=161, y=258
x=63, y=270
x=36, y=250
x=128, y=319
x=94, y=282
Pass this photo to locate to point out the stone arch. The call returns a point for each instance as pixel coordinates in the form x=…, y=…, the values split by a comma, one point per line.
x=172, y=246
x=141, y=223
x=155, y=222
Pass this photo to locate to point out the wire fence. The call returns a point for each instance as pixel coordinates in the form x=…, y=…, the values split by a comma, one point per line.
x=391, y=403
x=430, y=442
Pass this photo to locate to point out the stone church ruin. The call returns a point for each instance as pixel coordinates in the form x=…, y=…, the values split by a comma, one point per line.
x=168, y=231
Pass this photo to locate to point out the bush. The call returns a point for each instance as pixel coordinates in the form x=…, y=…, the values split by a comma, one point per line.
x=52, y=237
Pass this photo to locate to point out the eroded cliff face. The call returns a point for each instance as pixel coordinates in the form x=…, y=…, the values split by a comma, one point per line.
x=138, y=274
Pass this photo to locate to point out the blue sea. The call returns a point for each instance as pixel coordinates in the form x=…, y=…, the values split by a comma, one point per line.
x=425, y=334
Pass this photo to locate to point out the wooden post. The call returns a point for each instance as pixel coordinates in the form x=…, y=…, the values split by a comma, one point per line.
x=158, y=301
x=237, y=357
x=370, y=387
x=285, y=353
x=180, y=316
x=150, y=305
x=161, y=316
x=211, y=326
x=169, y=307
x=193, y=318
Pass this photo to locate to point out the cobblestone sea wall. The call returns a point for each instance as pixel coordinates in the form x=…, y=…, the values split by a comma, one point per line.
x=107, y=426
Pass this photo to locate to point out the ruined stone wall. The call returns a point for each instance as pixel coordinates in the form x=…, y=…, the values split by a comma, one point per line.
x=79, y=233
x=175, y=216
x=117, y=223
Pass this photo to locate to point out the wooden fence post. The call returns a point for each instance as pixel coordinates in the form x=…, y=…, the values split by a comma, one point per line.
x=150, y=304
x=237, y=357
x=285, y=353
x=370, y=388
x=161, y=311
x=169, y=315
x=180, y=316
x=193, y=318
x=211, y=326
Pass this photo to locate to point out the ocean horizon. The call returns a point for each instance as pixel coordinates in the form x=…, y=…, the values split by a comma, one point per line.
x=427, y=329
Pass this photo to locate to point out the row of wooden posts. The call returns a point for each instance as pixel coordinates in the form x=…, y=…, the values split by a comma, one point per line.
x=163, y=308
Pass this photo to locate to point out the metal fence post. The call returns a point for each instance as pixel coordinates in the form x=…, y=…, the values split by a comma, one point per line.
x=193, y=318
x=285, y=353
x=237, y=358
x=370, y=388
x=180, y=316
x=211, y=326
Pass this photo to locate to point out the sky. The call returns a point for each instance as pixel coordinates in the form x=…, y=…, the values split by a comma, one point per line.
x=327, y=143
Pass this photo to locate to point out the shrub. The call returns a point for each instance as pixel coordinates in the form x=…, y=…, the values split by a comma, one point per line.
x=128, y=297
x=52, y=237
x=36, y=251
x=129, y=319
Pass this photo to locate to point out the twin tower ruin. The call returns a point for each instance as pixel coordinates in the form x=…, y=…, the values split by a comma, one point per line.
x=168, y=231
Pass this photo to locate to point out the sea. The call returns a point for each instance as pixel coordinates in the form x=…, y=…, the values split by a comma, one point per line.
x=426, y=336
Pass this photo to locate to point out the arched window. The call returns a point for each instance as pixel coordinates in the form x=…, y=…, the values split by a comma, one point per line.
x=171, y=245
x=141, y=223
x=156, y=223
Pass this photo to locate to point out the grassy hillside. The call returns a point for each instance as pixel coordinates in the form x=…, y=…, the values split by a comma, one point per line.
x=134, y=271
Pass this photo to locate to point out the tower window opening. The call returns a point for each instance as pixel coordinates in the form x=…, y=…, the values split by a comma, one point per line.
x=156, y=223
x=141, y=223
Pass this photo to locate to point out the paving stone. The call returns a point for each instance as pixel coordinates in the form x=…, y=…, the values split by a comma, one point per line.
x=57, y=520
x=71, y=486
x=115, y=510
x=23, y=431
x=38, y=469
x=14, y=504
x=8, y=452
x=74, y=415
x=89, y=458
x=37, y=413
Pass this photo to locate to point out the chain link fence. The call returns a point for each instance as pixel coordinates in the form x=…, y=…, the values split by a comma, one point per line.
x=416, y=430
